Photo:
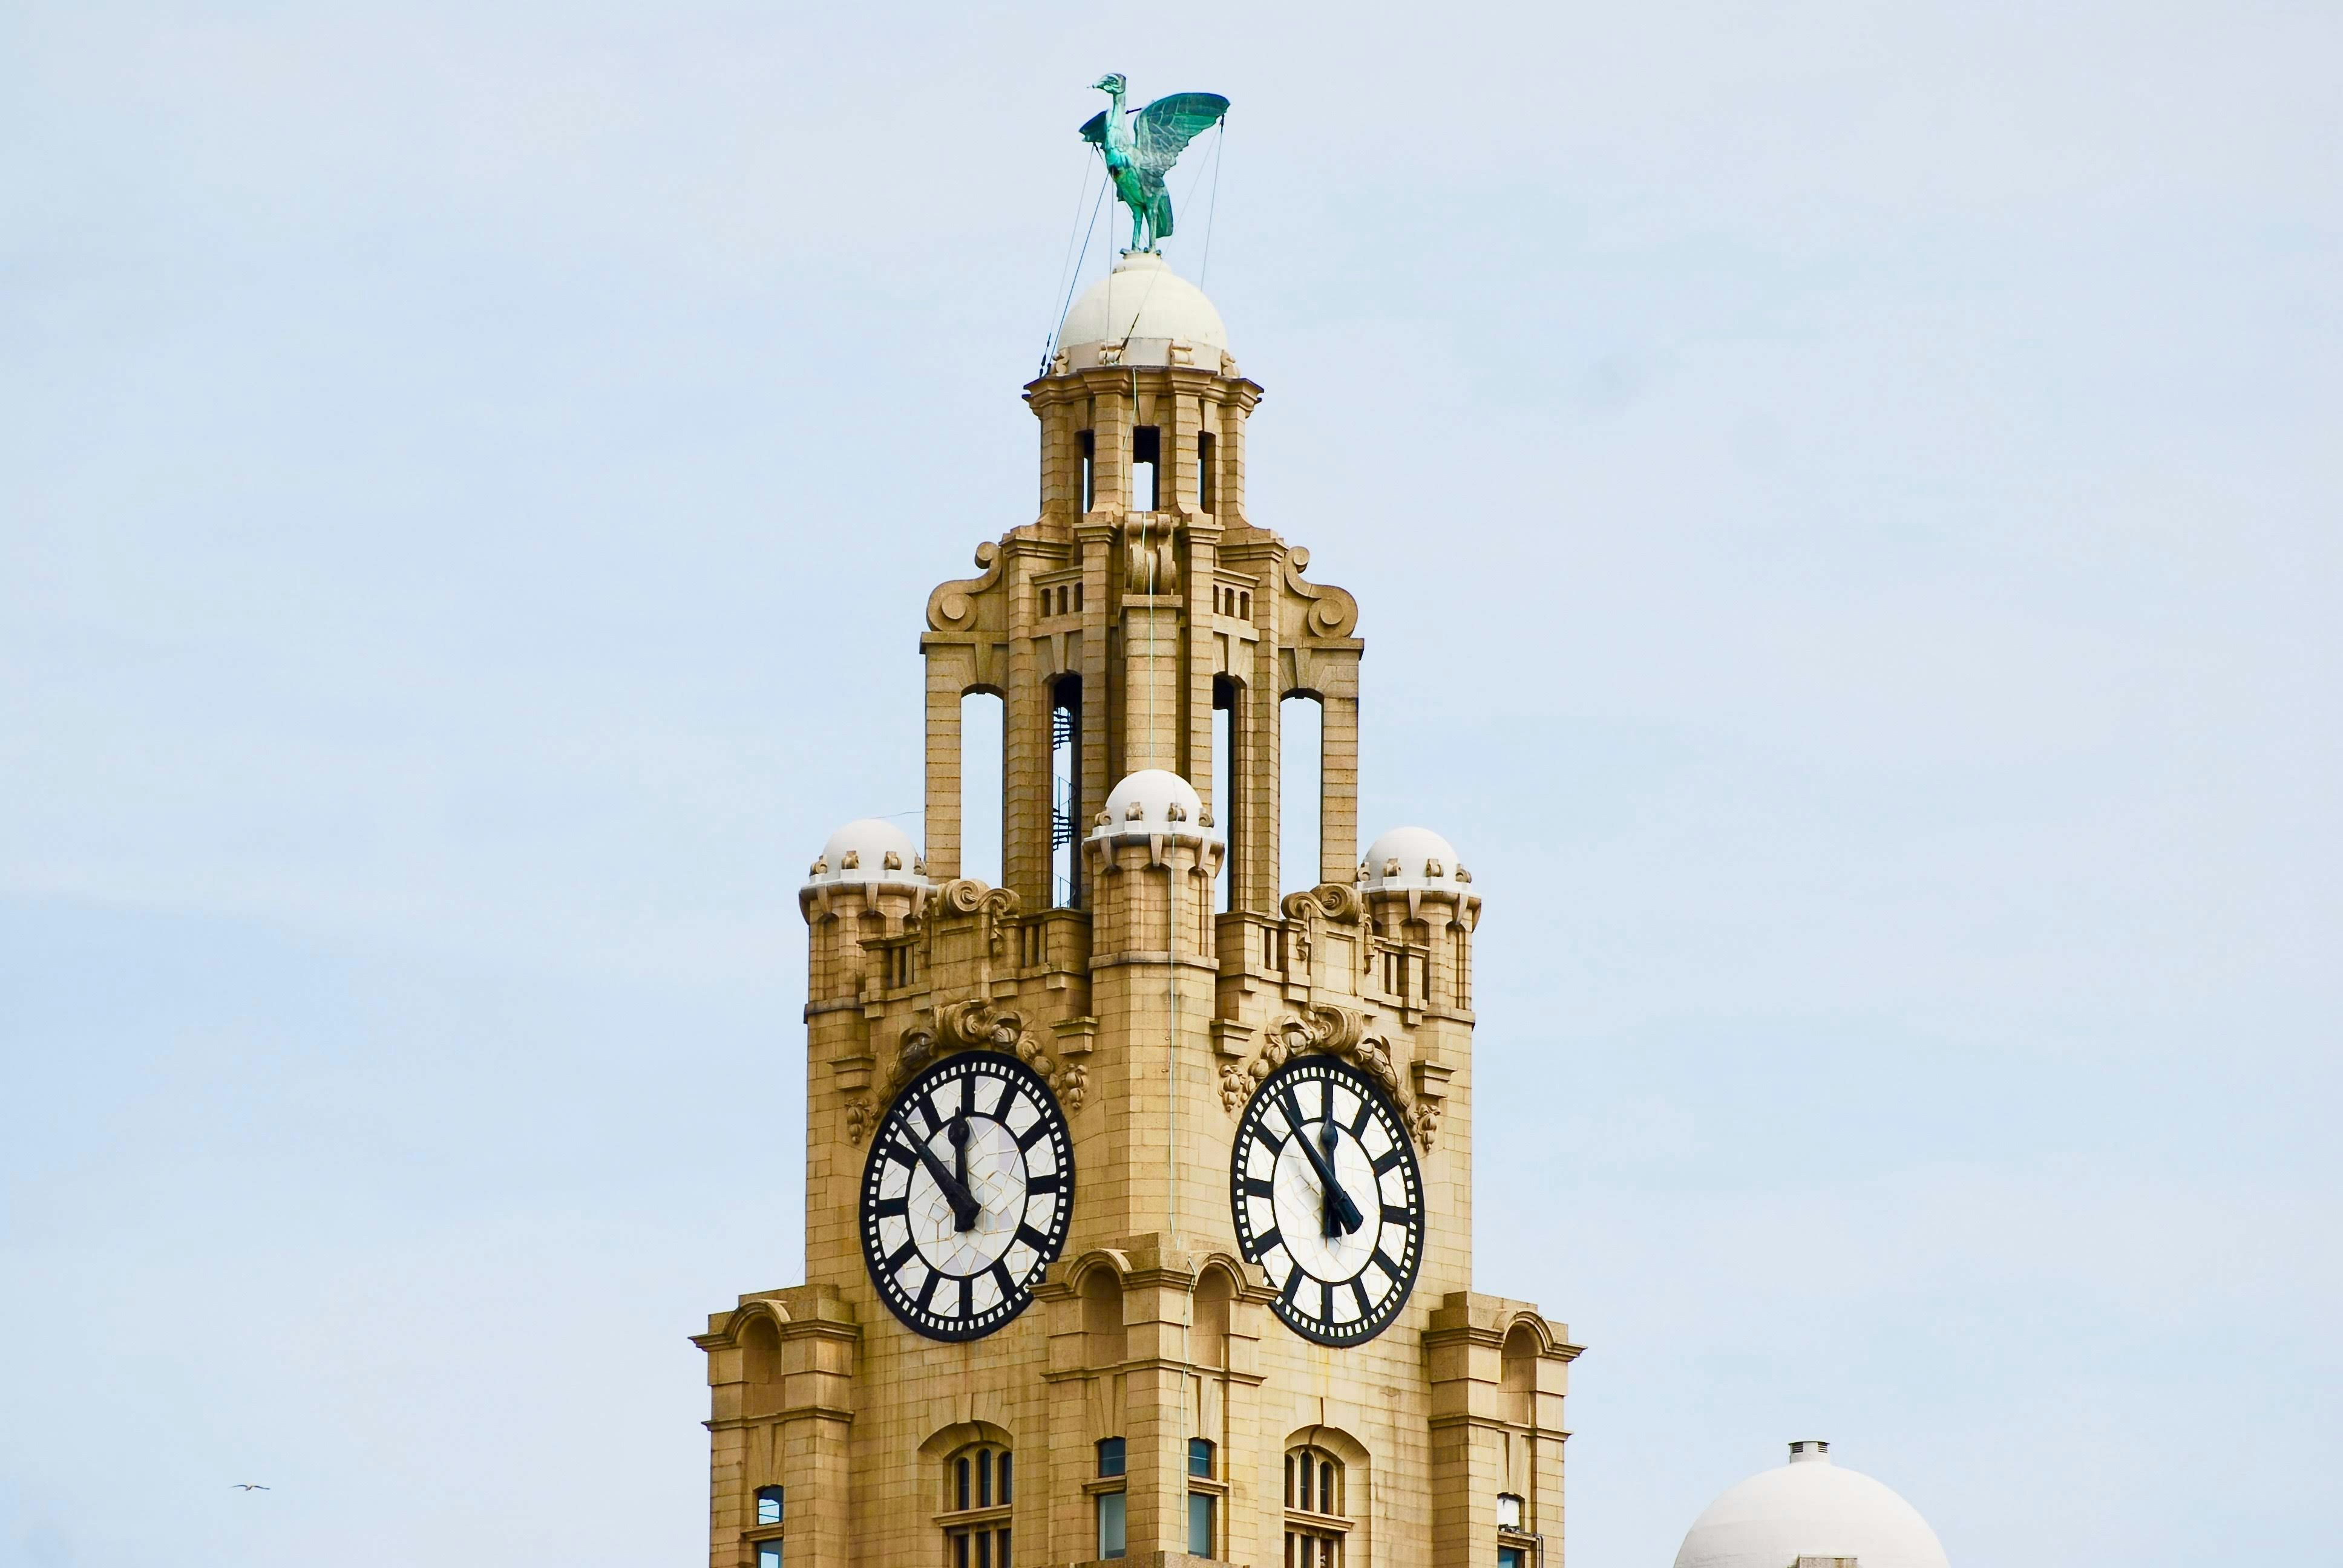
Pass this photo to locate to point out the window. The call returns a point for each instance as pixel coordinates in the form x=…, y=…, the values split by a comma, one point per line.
x=1516, y=1548
x=1089, y=468
x=1207, y=486
x=1112, y=1534
x=1146, y=465
x=1065, y=791
x=979, y=1483
x=1316, y=1520
x=764, y=1536
x=1204, y=1503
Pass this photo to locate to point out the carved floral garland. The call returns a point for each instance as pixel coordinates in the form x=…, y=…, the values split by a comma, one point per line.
x=976, y=1025
x=1336, y=1032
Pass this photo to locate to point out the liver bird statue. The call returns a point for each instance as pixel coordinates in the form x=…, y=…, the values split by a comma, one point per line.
x=1140, y=147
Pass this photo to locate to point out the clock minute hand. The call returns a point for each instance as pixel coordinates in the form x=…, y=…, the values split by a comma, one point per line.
x=964, y=1206
x=1339, y=1211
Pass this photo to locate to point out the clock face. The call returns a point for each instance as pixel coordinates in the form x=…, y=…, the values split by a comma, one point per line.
x=966, y=1195
x=1329, y=1200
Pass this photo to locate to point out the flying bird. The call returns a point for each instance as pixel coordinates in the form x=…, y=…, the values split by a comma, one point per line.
x=1140, y=146
x=247, y=1486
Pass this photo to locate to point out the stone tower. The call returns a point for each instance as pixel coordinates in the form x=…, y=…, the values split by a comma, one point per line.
x=1181, y=1354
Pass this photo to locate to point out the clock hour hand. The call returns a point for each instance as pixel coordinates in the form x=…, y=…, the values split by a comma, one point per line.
x=1343, y=1216
x=958, y=1133
x=964, y=1206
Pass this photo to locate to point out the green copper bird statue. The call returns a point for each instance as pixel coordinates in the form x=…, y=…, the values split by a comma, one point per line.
x=1140, y=146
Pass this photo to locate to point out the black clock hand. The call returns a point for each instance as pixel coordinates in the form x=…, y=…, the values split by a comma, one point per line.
x=964, y=1218
x=1339, y=1211
x=964, y=1206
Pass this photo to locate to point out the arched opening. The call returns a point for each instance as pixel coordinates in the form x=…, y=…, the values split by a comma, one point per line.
x=1209, y=1340
x=1519, y=1371
x=1300, y=734
x=760, y=1367
x=1065, y=792
x=1146, y=466
x=1102, y=1318
x=1228, y=800
x=981, y=719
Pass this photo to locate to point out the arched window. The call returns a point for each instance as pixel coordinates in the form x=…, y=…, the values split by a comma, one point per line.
x=1516, y=1548
x=979, y=1483
x=766, y=1536
x=1113, y=1515
x=1317, y=1518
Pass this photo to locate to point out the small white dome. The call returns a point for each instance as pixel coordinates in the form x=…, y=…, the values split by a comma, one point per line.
x=1151, y=802
x=1408, y=858
x=1810, y=1508
x=1142, y=309
x=870, y=851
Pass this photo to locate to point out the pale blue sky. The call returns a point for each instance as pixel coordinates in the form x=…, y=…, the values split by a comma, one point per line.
x=1844, y=501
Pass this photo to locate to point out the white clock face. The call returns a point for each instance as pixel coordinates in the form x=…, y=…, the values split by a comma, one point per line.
x=1329, y=1200
x=966, y=1195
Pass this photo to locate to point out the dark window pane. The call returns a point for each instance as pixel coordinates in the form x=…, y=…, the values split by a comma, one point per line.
x=1199, y=1457
x=1000, y=1558
x=1005, y=1495
x=960, y=1494
x=959, y=1550
x=984, y=1478
x=1110, y=1455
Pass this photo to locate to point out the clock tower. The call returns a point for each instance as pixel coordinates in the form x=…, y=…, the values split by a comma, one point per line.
x=1138, y=1187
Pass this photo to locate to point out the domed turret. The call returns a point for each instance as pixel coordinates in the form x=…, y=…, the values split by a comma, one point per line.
x=1144, y=313
x=1810, y=1508
x=1408, y=858
x=869, y=850
x=1155, y=802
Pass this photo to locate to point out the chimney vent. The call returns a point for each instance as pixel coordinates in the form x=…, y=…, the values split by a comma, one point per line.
x=1809, y=1448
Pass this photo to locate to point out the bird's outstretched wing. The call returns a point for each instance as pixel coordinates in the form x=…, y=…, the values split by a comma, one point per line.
x=1168, y=124
x=1094, y=130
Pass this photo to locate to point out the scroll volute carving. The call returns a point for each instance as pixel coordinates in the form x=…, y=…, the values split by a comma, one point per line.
x=952, y=607
x=1326, y=610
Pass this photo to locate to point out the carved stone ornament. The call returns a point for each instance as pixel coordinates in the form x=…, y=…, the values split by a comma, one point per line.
x=1336, y=1032
x=1332, y=611
x=971, y=1025
x=953, y=606
x=1151, y=558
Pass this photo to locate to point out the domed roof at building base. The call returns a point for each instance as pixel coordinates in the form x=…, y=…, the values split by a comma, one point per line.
x=1810, y=1508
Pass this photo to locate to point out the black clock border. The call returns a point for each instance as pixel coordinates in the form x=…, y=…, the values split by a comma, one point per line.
x=1063, y=1135
x=1372, y=1326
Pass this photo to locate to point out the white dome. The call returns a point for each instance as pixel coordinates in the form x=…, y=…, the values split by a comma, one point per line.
x=1810, y=1508
x=1143, y=308
x=1151, y=802
x=870, y=851
x=1408, y=858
